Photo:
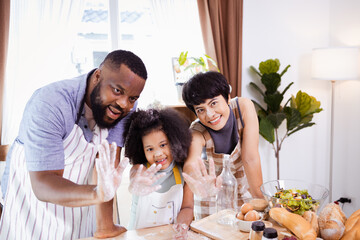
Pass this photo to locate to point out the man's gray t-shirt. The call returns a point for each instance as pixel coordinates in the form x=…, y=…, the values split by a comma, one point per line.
x=49, y=117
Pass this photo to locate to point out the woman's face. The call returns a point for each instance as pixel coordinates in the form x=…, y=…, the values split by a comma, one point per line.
x=157, y=148
x=213, y=113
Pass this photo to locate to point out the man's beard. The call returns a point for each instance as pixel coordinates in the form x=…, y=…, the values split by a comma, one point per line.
x=99, y=110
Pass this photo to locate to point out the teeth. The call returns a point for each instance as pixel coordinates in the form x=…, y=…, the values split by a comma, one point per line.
x=215, y=120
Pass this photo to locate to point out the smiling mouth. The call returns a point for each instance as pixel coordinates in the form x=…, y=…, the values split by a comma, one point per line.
x=161, y=161
x=215, y=121
x=113, y=113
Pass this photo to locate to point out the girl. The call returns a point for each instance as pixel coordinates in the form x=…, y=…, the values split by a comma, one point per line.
x=162, y=138
x=224, y=126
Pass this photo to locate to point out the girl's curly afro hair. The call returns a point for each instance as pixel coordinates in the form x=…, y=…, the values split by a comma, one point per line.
x=142, y=122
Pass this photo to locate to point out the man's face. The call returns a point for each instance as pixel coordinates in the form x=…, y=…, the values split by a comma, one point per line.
x=114, y=94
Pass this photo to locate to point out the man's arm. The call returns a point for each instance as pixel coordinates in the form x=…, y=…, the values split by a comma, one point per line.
x=105, y=227
x=50, y=186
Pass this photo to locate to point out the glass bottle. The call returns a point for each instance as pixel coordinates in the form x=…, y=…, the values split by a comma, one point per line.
x=256, y=231
x=227, y=196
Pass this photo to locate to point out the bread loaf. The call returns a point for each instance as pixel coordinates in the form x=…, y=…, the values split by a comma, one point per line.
x=352, y=227
x=294, y=222
x=312, y=218
x=332, y=222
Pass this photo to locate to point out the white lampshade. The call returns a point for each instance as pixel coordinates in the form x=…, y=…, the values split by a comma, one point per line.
x=341, y=63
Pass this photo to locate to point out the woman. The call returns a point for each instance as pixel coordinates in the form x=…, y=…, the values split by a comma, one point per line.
x=224, y=126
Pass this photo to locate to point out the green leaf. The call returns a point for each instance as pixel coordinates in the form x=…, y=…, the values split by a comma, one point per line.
x=293, y=117
x=273, y=101
x=266, y=130
x=306, y=118
x=258, y=105
x=182, y=57
x=255, y=70
x=301, y=127
x=192, y=65
x=276, y=119
x=269, y=66
x=261, y=113
x=271, y=82
x=213, y=62
x=288, y=86
x=256, y=87
x=285, y=70
x=305, y=104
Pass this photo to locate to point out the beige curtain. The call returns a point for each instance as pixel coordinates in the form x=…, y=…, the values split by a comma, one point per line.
x=4, y=36
x=221, y=25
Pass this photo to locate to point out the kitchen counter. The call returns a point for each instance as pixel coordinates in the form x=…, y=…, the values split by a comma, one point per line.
x=203, y=229
x=164, y=232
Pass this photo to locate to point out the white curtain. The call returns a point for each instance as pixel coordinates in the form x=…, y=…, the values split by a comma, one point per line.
x=40, y=41
x=176, y=29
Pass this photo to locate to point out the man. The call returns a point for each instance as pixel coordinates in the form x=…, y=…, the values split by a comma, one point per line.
x=47, y=184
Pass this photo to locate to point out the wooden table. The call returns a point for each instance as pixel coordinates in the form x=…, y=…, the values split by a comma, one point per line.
x=203, y=229
x=164, y=232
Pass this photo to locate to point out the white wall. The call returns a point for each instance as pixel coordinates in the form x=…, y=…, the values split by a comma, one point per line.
x=289, y=30
x=345, y=31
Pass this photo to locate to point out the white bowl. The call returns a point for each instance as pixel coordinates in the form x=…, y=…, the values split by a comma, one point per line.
x=245, y=226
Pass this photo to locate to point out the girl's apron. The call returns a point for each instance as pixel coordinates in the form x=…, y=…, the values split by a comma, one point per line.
x=25, y=217
x=206, y=206
x=158, y=209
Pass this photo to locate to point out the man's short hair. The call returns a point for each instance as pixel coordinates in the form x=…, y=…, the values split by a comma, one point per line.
x=114, y=60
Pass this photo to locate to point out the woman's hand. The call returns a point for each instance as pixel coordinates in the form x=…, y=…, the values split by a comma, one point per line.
x=202, y=183
x=142, y=182
x=109, y=177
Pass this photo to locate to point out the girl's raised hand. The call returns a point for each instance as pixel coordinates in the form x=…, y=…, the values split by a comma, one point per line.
x=142, y=182
x=202, y=183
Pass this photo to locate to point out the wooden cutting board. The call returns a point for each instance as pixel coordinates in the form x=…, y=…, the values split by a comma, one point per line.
x=209, y=227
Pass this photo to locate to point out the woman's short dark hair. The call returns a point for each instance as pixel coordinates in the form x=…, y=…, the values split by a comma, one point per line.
x=204, y=86
x=143, y=122
x=114, y=60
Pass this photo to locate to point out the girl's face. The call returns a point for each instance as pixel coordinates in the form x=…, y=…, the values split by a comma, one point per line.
x=213, y=113
x=157, y=148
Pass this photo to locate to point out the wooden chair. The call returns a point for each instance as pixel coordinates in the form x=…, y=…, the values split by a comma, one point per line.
x=3, y=152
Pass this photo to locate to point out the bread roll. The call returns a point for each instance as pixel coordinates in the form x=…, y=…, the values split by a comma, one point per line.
x=352, y=227
x=294, y=222
x=312, y=218
x=331, y=222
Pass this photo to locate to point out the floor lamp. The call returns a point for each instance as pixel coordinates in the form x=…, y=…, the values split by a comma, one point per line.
x=335, y=64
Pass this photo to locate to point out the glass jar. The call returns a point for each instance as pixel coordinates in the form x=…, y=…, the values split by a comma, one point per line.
x=256, y=231
x=227, y=196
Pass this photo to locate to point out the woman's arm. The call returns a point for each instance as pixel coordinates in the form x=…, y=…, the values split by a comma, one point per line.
x=191, y=164
x=250, y=147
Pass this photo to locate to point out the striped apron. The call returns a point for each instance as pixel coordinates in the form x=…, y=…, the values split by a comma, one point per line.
x=25, y=217
x=206, y=206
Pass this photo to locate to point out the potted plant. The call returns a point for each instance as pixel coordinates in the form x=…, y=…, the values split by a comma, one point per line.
x=185, y=67
x=298, y=110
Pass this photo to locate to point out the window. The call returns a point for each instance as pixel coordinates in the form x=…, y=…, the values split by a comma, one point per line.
x=59, y=39
x=156, y=31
